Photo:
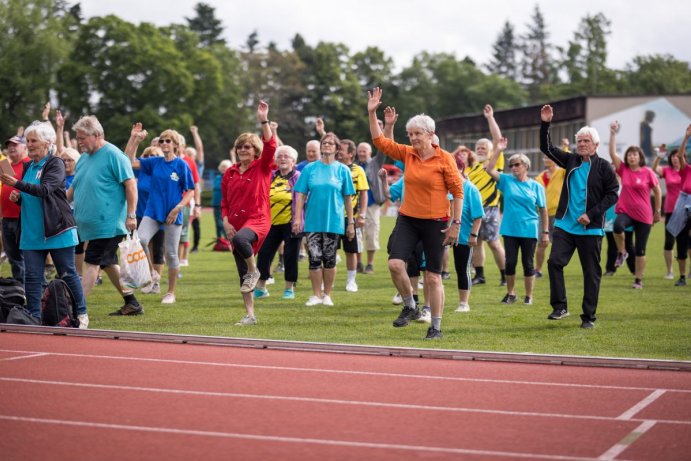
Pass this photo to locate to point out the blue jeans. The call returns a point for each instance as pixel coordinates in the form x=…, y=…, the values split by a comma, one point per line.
x=10, y=241
x=35, y=262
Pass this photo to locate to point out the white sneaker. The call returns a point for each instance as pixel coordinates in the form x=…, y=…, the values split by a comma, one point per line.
x=669, y=276
x=152, y=288
x=270, y=281
x=351, y=286
x=420, y=284
x=338, y=259
x=249, y=282
x=83, y=321
x=326, y=300
x=425, y=316
x=169, y=298
x=184, y=263
x=246, y=320
x=314, y=300
x=463, y=307
x=397, y=299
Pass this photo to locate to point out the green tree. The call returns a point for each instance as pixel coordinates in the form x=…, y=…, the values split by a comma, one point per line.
x=206, y=24
x=504, y=60
x=34, y=44
x=538, y=66
x=658, y=74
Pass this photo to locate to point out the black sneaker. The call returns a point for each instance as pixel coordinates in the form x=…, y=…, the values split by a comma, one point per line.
x=407, y=314
x=478, y=280
x=681, y=282
x=558, y=314
x=588, y=324
x=502, y=283
x=509, y=299
x=433, y=333
x=538, y=274
x=445, y=276
x=129, y=309
x=528, y=300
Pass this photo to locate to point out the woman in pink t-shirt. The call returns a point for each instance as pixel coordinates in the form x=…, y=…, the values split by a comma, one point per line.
x=633, y=207
x=672, y=176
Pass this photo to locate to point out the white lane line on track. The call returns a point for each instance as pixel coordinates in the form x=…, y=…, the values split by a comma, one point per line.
x=631, y=412
x=28, y=356
x=346, y=372
x=617, y=449
x=312, y=400
x=296, y=440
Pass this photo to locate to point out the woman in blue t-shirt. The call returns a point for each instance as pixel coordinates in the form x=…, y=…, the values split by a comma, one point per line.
x=172, y=188
x=521, y=226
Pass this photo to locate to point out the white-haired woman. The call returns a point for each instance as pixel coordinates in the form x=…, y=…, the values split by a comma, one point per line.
x=525, y=221
x=47, y=224
x=283, y=200
x=424, y=215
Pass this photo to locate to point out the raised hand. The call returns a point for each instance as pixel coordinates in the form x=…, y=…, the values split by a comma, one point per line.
x=614, y=127
x=390, y=115
x=546, y=113
x=502, y=144
x=488, y=111
x=374, y=99
x=138, y=132
x=263, y=111
x=46, y=111
x=194, y=129
x=59, y=120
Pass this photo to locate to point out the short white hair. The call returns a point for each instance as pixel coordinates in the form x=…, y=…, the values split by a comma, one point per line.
x=44, y=131
x=90, y=125
x=422, y=122
x=522, y=158
x=289, y=151
x=589, y=130
x=490, y=144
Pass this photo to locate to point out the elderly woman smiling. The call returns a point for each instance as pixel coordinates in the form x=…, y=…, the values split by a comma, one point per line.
x=47, y=224
x=430, y=173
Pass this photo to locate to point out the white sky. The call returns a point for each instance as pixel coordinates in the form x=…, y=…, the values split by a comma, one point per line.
x=403, y=28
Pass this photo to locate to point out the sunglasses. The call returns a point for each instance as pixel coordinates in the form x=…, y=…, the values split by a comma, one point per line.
x=244, y=147
x=166, y=141
x=511, y=165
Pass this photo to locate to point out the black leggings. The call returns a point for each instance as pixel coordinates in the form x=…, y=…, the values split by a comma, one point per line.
x=640, y=229
x=462, y=257
x=242, y=249
x=527, y=246
x=278, y=234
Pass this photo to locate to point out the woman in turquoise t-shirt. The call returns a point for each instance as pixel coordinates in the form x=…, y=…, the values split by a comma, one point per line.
x=47, y=224
x=521, y=226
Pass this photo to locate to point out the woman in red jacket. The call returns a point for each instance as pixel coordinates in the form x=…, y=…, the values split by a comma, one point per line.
x=245, y=204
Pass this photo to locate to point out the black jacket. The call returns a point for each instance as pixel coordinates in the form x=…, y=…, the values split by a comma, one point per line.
x=601, y=184
x=57, y=214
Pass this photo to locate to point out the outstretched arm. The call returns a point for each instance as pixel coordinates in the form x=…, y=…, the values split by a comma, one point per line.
x=500, y=145
x=263, y=118
x=557, y=155
x=198, y=144
x=59, y=131
x=661, y=153
x=137, y=135
x=682, y=147
x=390, y=118
x=319, y=127
x=488, y=112
x=373, y=103
x=613, y=128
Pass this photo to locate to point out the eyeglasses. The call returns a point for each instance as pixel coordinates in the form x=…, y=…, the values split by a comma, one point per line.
x=328, y=143
x=166, y=141
x=244, y=147
x=511, y=165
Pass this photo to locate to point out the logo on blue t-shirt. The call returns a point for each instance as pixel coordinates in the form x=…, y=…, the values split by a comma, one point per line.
x=174, y=176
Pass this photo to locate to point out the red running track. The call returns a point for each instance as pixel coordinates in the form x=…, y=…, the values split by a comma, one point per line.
x=66, y=398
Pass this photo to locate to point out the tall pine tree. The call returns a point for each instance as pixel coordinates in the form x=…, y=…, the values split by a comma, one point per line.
x=504, y=61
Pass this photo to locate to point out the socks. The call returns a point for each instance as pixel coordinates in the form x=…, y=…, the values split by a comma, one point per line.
x=479, y=271
x=409, y=301
x=436, y=323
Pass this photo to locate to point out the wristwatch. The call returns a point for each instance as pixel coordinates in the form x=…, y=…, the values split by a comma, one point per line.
x=131, y=216
x=456, y=221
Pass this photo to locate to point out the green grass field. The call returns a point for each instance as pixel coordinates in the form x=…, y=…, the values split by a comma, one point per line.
x=651, y=323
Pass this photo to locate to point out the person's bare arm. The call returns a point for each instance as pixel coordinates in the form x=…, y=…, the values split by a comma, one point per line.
x=373, y=103
x=198, y=144
x=492, y=161
x=613, y=128
x=657, y=211
x=59, y=131
x=131, y=198
x=390, y=118
x=494, y=130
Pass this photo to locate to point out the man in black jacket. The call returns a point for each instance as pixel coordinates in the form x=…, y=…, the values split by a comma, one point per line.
x=590, y=188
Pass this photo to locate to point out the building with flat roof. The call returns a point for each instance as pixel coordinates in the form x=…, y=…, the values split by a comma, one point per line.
x=646, y=121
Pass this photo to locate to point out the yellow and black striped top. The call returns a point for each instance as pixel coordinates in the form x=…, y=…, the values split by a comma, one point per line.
x=484, y=182
x=357, y=173
x=281, y=199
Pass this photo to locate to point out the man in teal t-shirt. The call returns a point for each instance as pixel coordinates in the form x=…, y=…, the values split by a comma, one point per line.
x=105, y=200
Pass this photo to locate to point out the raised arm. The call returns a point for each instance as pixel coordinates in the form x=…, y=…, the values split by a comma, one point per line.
x=373, y=103
x=499, y=146
x=274, y=130
x=557, y=155
x=198, y=144
x=613, y=129
x=682, y=147
x=137, y=135
x=263, y=118
x=382, y=175
x=661, y=153
x=488, y=112
x=59, y=131
x=390, y=118
x=319, y=127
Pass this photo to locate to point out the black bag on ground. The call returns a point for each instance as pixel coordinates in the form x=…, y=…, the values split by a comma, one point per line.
x=11, y=294
x=58, y=306
x=19, y=315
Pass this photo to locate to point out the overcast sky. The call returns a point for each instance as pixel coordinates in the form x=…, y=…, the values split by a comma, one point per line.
x=403, y=28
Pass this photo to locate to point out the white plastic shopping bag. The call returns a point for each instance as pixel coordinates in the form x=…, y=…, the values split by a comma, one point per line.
x=134, y=266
